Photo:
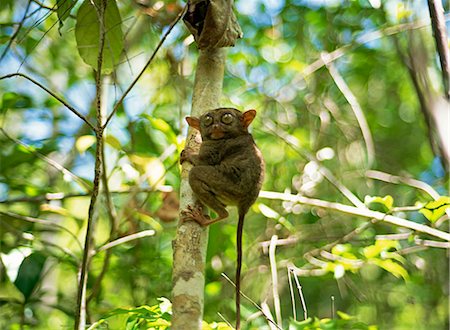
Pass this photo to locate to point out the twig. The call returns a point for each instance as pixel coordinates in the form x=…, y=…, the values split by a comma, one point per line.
x=282, y=241
x=343, y=239
x=302, y=298
x=80, y=316
x=333, y=257
x=333, y=314
x=225, y=320
x=44, y=6
x=308, y=272
x=354, y=105
x=252, y=302
x=417, y=241
x=412, y=249
x=414, y=62
x=266, y=310
x=122, y=98
x=382, y=176
x=394, y=237
x=16, y=33
x=440, y=36
x=273, y=270
x=125, y=239
x=49, y=161
x=61, y=196
x=429, y=243
x=291, y=291
x=61, y=100
x=363, y=212
x=111, y=211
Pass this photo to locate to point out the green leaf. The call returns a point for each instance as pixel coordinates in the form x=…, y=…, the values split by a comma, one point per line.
x=435, y=209
x=382, y=245
x=377, y=203
x=392, y=267
x=162, y=126
x=30, y=273
x=87, y=34
x=11, y=100
x=84, y=143
x=113, y=142
x=344, y=316
x=63, y=8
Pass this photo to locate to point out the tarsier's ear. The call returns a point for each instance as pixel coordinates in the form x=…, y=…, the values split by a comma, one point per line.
x=247, y=117
x=193, y=122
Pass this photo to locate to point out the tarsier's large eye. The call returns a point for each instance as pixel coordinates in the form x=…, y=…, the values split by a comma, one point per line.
x=208, y=120
x=227, y=118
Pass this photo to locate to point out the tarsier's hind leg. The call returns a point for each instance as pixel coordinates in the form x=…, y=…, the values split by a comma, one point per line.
x=207, y=184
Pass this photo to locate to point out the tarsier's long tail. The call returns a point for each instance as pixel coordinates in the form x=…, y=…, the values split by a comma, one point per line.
x=240, y=227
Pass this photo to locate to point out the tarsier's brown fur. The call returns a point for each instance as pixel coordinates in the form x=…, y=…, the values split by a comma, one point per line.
x=228, y=170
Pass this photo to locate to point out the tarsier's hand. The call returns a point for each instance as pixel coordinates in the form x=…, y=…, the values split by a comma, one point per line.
x=186, y=155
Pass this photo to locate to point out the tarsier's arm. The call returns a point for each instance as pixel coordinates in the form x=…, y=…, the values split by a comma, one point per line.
x=190, y=156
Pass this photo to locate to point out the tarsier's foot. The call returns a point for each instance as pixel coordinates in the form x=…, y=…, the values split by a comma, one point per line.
x=195, y=213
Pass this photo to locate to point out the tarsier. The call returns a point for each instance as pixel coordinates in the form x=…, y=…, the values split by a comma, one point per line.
x=228, y=170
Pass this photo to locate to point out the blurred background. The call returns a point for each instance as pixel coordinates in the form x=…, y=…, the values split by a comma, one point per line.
x=344, y=91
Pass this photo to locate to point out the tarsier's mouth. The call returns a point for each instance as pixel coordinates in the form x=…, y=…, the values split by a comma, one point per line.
x=217, y=134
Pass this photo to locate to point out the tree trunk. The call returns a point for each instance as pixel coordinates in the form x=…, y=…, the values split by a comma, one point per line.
x=190, y=244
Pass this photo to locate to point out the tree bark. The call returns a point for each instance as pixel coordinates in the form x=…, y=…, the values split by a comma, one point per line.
x=190, y=244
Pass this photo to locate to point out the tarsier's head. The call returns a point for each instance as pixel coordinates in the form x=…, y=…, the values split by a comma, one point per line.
x=222, y=123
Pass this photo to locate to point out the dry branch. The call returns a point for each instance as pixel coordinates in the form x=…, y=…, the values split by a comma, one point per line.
x=358, y=211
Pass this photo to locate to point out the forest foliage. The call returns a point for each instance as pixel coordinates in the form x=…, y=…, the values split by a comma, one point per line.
x=352, y=227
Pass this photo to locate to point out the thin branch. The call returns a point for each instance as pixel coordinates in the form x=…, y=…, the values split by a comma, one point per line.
x=291, y=291
x=61, y=100
x=345, y=238
x=265, y=307
x=333, y=314
x=300, y=292
x=414, y=60
x=48, y=160
x=417, y=241
x=44, y=6
x=81, y=307
x=225, y=320
x=362, y=212
x=354, y=105
x=308, y=272
x=111, y=211
x=125, y=239
x=394, y=237
x=16, y=33
x=273, y=271
x=122, y=98
x=252, y=302
x=382, y=176
x=62, y=196
x=440, y=36
x=412, y=249
x=430, y=243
